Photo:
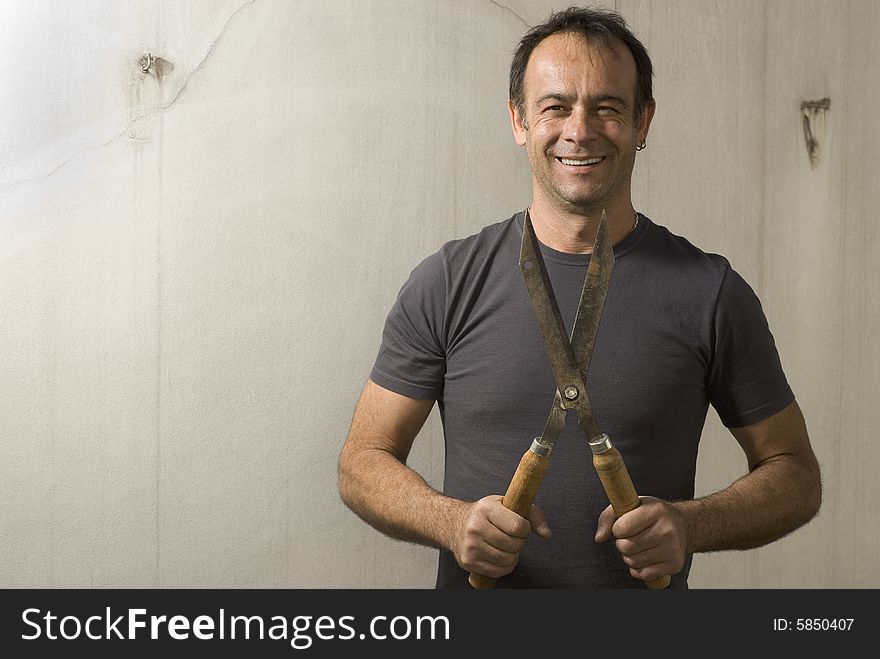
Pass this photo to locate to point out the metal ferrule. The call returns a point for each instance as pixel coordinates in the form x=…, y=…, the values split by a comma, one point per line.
x=600, y=444
x=539, y=447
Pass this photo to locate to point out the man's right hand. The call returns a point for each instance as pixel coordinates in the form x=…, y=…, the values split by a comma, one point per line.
x=490, y=537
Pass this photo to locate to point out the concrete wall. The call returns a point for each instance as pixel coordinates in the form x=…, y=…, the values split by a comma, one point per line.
x=195, y=266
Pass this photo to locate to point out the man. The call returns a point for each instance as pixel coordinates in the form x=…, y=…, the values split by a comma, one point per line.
x=680, y=330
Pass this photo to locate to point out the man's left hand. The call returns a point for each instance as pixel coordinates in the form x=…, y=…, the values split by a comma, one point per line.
x=652, y=538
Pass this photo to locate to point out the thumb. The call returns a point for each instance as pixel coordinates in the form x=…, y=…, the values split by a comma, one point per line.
x=606, y=521
x=539, y=522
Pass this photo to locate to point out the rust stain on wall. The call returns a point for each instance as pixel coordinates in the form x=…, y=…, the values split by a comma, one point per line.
x=813, y=116
x=150, y=64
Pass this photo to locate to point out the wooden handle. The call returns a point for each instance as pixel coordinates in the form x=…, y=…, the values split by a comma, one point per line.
x=520, y=495
x=621, y=491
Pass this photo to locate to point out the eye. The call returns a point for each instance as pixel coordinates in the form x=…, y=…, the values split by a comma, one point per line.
x=607, y=109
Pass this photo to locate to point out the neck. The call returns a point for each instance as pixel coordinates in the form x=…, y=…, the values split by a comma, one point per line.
x=575, y=232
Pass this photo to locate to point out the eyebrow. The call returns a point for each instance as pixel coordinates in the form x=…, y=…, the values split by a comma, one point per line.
x=600, y=98
x=554, y=96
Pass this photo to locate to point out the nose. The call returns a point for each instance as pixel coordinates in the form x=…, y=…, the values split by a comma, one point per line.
x=577, y=126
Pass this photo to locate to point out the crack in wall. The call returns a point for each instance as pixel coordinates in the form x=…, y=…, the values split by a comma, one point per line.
x=506, y=8
x=140, y=117
x=204, y=59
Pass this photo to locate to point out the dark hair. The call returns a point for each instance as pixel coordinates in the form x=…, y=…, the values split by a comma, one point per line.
x=596, y=26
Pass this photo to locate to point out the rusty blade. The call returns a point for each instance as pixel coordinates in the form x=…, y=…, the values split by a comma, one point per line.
x=596, y=284
x=569, y=358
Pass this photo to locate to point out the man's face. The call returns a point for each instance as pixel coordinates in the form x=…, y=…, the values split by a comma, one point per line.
x=579, y=127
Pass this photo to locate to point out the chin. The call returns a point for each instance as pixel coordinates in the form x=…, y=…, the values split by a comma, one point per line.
x=581, y=203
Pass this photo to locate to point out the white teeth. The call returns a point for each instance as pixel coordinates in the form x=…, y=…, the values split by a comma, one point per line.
x=590, y=161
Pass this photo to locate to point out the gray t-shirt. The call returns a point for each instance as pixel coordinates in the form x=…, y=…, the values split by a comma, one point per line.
x=680, y=330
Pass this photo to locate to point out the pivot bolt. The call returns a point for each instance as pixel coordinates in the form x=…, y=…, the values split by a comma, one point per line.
x=570, y=393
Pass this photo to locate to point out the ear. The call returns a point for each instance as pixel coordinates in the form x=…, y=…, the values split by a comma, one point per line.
x=516, y=122
x=645, y=120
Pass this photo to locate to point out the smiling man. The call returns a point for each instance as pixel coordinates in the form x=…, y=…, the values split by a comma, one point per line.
x=579, y=113
x=680, y=331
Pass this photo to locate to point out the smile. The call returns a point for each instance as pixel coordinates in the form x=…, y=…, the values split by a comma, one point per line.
x=578, y=162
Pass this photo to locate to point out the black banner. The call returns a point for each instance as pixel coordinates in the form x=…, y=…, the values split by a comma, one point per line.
x=333, y=623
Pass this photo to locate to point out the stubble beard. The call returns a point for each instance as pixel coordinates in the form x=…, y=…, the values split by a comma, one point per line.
x=573, y=198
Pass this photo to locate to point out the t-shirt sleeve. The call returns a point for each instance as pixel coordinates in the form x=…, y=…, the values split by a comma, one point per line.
x=412, y=356
x=746, y=381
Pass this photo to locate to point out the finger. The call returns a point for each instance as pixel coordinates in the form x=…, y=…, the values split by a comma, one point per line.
x=501, y=541
x=647, y=558
x=641, y=541
x=509, y=522
x=633, y=522
x=479, y=555
x=496, y=558
x=489, y=567
x=652, y=564
x=606, y=520
x=539, y=522
x=652, y=572
x=489, y=514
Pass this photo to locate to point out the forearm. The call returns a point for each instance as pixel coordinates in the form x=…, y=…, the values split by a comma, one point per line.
x=772, y=500
x=396, y=500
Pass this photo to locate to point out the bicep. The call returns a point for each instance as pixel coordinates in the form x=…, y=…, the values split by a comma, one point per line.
x=782, y=435
x=387, y=421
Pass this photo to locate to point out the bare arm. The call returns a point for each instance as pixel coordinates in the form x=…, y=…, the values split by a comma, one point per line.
x=781, y=492
x=374, y=480
x=376, y=484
